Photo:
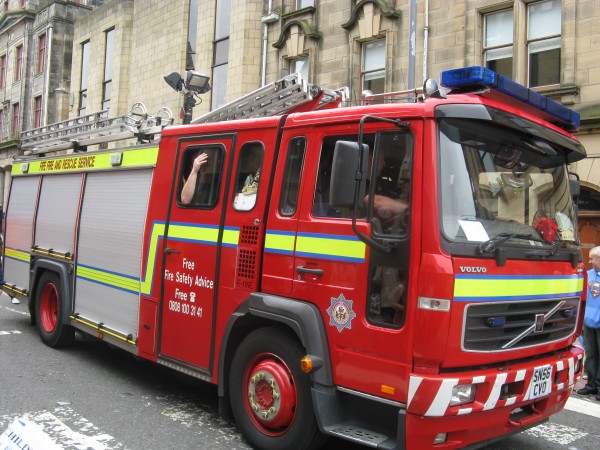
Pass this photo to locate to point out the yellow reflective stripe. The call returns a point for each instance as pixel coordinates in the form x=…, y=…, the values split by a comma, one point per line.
x=280, y=242
x=340, y=247
x=231, y=236
x=183, y=232
x=110, y=279
x=16, y=254
x=481, y=287
x=158, y=230
x=86, y=162
x=186, y=232
x=103, y=329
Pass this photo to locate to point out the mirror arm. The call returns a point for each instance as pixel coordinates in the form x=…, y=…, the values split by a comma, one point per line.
x=358, y=179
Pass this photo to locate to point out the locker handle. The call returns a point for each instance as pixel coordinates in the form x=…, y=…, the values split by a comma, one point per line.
x=170, y=251
x=302, y=269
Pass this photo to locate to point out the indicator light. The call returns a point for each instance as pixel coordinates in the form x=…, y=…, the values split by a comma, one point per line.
x=306, y=364
x=388, y=389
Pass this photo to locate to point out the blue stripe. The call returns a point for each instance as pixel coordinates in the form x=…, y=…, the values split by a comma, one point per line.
x=281, y=233
x=329, y=257
x=516, y=277
x=338, y=237
x=515, y=297
x=280, y=252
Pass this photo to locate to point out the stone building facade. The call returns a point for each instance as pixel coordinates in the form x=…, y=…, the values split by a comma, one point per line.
x=123, y=49
x=36, y=41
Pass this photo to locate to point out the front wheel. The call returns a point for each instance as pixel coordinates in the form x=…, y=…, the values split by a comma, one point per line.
x=270, y=395
x=48, y=312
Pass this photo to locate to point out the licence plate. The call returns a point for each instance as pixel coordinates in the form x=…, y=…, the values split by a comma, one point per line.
x=541, y=382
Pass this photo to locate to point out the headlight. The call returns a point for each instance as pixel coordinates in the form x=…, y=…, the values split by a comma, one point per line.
x=462, y=393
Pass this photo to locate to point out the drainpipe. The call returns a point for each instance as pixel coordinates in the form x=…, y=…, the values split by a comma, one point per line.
x=47, y=90
x=412, y=44
x=271, y=17
x=425, y=40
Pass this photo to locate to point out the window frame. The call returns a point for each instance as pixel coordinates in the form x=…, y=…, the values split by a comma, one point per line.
x=189, y=154
x=83, y=81
x=241, y=171
x=16, y=118
x=109, y=50
x=38, y=110
x=18, y=62
x=532, y=41
x=365, y=72
x=292, y=176
x=41, y=53
x=3, y=60
x=304, y=71
x=511, y=45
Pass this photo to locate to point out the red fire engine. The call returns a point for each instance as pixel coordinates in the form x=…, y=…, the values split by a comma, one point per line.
x=402, y=275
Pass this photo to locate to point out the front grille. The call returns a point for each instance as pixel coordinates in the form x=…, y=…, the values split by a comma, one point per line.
x=509, y=325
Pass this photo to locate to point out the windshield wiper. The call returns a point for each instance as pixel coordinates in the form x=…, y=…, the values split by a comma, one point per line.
x=492, y=244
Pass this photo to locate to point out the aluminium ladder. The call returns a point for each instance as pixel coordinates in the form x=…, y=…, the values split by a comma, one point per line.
x=290, y=94
x=95, y=128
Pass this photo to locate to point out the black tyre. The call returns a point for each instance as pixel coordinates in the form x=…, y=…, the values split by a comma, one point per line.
x=48, y=312
x=270, y=395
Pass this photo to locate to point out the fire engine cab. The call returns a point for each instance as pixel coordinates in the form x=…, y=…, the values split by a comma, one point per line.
x=401, y=274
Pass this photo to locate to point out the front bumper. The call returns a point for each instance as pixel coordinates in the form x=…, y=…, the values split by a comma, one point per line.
x=507, y=399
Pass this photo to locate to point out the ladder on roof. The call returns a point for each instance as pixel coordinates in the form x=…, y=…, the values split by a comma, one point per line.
x=290, y=94
x=97, y=128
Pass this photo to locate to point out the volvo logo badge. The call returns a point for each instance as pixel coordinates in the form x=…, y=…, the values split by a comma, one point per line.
x=539, y=323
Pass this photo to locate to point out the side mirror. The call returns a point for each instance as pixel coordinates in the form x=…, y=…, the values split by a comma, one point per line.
x=574, y=185
x=346, y=157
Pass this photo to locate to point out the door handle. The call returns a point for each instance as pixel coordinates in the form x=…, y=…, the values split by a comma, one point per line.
x=304, y=270
x=170, y=251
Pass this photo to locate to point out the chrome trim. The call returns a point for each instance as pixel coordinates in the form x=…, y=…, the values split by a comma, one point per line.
x=371, y=397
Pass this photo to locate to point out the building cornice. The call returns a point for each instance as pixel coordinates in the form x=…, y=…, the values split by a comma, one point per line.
x=383, y=6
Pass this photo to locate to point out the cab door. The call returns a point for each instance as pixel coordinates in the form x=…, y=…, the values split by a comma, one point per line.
x=194, y=241
x=360, y=290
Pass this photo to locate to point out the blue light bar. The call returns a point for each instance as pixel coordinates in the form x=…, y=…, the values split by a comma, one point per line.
x=477, y=76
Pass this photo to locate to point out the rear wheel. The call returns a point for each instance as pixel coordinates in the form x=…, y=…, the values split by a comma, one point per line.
x=48, y=312
x=270, y=395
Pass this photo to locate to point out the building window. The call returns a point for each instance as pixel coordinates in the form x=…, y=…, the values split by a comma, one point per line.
x=373, y=66
x=300, y=66
x=543, y=42
x=304, y=3
x=1, y=124
x=15, y=119
x=221, y=53
x=498, y=42
x=37, y=117
x=19, y=63
x=41, y=62
x=5, y=7
x=85, y=66
x=108, y=67
x=192, y=32
x=3, y=71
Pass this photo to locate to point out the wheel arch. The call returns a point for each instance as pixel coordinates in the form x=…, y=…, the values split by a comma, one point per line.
x=300, y=318
x=43, y=265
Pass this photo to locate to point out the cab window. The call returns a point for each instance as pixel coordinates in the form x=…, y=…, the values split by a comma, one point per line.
x=204, y=184
x=248, y=176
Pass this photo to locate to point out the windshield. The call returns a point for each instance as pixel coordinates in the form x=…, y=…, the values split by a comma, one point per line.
x=497, y=184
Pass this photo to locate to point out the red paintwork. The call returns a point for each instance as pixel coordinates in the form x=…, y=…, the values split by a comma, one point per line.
x=49, y=307
x=364, y=357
